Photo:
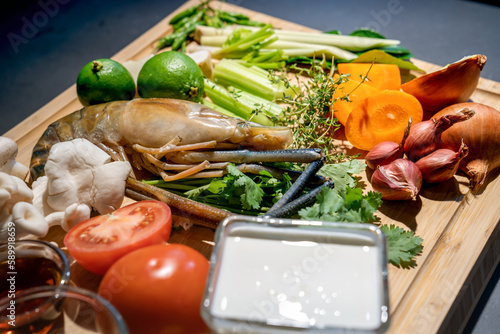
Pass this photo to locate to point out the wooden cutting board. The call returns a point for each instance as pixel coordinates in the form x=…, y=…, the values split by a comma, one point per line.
x=460, y=229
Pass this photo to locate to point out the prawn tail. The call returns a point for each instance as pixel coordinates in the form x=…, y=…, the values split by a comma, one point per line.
x=41, y=151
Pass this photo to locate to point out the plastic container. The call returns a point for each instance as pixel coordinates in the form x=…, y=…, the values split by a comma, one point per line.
x=281, y=275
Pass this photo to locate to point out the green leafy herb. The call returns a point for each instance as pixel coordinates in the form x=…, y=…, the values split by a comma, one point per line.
x=307, y=113
x=403, y=246
x=342, y=173
x=366, y=33
x=236, y=192
x=344, y=206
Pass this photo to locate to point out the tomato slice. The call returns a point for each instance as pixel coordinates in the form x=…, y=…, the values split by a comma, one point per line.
x=100, y=241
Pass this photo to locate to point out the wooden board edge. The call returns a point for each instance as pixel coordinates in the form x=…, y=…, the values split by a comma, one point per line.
x=474, y=286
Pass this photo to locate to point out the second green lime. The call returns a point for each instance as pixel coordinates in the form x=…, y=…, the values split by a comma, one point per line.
x=171, y=74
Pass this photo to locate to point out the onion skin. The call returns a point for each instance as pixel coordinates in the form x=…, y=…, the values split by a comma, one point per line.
x=481, y=134
x=442, y=164
x=399, y=180
x=452, y=84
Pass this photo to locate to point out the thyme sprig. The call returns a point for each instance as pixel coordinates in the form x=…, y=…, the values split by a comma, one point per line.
x=308, y=114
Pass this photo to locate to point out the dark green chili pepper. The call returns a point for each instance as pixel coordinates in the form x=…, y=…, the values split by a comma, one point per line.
x=182, y=36
x=187, y=13
x=164, y=42
x=250, y=23
x=234, y=15
x=182, y=23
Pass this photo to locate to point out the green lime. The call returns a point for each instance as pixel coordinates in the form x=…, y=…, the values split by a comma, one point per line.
x=104, y=80
x=171, y=74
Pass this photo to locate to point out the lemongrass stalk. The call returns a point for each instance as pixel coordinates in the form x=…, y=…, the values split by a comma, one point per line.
x=338, y=53
x=246, y=43
x=251, y=79
x=346, y=42
x=225, y=99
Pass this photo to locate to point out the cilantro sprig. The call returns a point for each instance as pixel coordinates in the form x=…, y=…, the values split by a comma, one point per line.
x=403, y=246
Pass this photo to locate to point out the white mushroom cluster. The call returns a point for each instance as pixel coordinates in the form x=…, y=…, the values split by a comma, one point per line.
x=16, y=208
x=79, y=176
x=8, y=163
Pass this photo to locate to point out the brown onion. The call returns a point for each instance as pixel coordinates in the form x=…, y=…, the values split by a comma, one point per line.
x=425, y=137
x=442, y=164
x=452, y=84
x=399, y=180
x=481, y=134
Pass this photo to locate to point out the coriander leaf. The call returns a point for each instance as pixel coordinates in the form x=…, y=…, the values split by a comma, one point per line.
x=216, y=186
x=403, y=246
x=374, y=198
x=353, y=197
x=341, y=206
x=252, y=194
x=378, y=56
x=197, y=191
x=341, y=173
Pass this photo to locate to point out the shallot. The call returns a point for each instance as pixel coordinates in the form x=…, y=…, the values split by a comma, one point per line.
x=387, y=151
x=399, y=180
x=481, y=134
x=425, y=137
x=442, y=164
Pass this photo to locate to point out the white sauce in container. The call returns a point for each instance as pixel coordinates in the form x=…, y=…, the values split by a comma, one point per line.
x=299, y=277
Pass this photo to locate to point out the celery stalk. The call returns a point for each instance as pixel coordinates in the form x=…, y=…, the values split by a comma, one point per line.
x=250, y=79
x=273, y=109
x=218, y=108
x=225, y=99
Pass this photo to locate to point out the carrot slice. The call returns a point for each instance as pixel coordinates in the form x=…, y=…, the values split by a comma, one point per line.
x=382, y=117
x=346, y=96
x=380, y=76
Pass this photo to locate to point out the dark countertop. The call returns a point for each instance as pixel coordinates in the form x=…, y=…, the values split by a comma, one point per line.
x=45, y=43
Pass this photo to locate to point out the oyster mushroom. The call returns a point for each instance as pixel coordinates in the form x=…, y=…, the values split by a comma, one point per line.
x=79, y=176
x=8, y=163
x=18, y=217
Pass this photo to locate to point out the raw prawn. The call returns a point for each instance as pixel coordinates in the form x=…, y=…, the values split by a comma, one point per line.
x=150, y=129
x=171, y=138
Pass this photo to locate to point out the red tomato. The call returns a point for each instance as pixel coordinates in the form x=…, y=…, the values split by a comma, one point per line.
x=99, y=241
x=159, y=289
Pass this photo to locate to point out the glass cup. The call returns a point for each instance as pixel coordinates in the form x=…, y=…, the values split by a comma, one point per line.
x=25, y=264
x=28, y=263
x=59, y=310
